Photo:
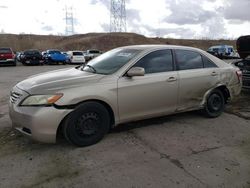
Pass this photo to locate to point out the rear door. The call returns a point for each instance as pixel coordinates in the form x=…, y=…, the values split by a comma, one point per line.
x=153, y=94
x=197, y=75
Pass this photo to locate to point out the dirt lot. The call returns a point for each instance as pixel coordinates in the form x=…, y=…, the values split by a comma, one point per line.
x=184, y=150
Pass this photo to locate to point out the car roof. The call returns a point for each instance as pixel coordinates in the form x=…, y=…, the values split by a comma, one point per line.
x=152, y=47
x=53, y=50
x=149, y=48
x=221, y=46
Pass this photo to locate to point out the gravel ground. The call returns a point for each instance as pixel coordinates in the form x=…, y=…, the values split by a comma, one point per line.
x=183, y=150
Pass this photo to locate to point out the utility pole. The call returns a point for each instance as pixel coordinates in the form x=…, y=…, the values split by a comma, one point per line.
x=69, y=29
x=118, y=16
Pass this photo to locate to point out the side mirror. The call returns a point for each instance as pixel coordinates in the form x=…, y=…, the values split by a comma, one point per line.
x=136, y=71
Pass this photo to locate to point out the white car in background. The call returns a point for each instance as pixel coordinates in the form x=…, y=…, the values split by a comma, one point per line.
x=76, y=56
x=91, y=54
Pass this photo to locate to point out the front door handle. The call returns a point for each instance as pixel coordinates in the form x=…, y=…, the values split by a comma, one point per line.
x=172, y=79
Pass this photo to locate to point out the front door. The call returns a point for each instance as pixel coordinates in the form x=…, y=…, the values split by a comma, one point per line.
x=150, y=95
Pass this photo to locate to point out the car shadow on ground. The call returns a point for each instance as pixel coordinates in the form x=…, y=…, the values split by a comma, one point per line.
x=153, y=121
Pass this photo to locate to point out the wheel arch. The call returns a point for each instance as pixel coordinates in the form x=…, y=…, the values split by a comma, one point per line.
x=105, y=104
x=223, y=88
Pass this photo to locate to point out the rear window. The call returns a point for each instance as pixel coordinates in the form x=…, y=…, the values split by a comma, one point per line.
x=188, y=60
x=77, y=53
x=94, y=51
x=5, y=50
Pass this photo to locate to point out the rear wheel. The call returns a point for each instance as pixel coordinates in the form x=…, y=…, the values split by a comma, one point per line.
x=87, y=124
x=215, y=104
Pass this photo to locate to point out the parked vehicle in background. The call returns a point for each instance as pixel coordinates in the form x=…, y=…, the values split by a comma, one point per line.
x=67, y=57
x=243, y=47
x=31, y=57
x=223, y=51
x=91, y=54
x=76, y=57
x=244, y=66
x=7, y=57
x=54, y=57
x=19, y=56
x=125, y=84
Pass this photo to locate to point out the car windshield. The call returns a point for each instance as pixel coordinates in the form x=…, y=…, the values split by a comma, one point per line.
x=54, y=52
x=5, y=50
x=111, y=61
x=31, y=52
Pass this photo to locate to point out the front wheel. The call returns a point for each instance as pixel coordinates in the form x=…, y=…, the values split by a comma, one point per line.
x=215, y=104
x=87, y=124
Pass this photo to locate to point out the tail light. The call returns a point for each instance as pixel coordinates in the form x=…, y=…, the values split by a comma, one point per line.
x=239, y=75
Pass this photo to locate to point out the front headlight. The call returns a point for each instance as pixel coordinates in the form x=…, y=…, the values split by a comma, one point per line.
x=41, y=100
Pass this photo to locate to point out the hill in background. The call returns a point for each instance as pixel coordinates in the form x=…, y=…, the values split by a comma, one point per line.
x=101, y=41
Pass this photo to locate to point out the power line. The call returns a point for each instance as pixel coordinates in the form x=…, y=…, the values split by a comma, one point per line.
x=118, y=16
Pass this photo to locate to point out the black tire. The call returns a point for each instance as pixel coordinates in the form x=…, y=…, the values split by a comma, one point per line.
x=48, y=62
x=215, y=104
x=87, y=124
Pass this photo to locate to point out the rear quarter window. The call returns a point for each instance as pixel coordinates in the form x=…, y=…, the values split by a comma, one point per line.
x=208, y=63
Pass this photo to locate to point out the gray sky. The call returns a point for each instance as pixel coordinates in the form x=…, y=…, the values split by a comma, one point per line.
x=163, y=18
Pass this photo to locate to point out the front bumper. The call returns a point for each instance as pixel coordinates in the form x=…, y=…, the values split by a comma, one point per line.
x=246, y=81
x=33, y=61
x=7, y=62
x=39, y=123
x=78, y=61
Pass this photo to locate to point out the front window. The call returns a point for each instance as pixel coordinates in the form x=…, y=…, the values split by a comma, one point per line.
x=157, y=61
x=111, y=61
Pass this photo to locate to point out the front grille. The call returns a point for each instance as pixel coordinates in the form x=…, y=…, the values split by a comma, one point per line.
x=246, y=75
x=246, y=83
x=14, y=96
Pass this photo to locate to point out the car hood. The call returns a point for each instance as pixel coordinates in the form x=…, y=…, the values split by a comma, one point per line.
x=57, y=80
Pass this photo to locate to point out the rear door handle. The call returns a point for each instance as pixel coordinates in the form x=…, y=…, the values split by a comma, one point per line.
x=214, y=73
x=171, y=79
